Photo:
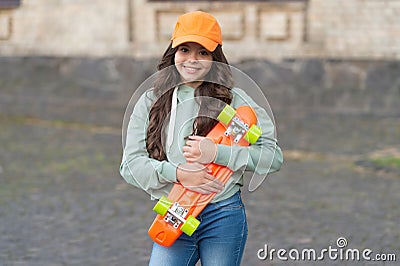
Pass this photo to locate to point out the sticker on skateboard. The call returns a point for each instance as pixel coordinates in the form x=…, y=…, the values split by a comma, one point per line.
x=177, y=213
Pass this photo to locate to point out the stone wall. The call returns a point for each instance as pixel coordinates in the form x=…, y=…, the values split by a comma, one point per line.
x=272, y=29
x=61, y=28
x=356, y=28
x=98, y=90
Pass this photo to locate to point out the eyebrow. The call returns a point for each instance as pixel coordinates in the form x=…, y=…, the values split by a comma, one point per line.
x=201, y=48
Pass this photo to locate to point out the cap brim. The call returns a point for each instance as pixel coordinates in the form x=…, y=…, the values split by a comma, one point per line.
x=203, y=41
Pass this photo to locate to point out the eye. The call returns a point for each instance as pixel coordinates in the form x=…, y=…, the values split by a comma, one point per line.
x=204, y=53
x=183, y=49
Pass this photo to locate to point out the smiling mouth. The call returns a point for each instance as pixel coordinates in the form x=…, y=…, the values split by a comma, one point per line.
x=191, y=70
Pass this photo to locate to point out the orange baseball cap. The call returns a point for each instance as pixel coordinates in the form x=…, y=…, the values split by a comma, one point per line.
x=198, y=27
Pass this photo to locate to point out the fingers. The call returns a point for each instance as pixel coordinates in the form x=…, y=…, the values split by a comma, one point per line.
x=200, y=149
x=192, y=167
x=211, y=184
x=208, y=150
x=208, y=188
x=194, y=141
x=215, y=185
x=200, y=190
x=198, y=178
x=196, y=138
x=191, y=151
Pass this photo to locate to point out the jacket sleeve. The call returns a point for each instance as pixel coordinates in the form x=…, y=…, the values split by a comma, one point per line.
x=263, y=157
x=137, y=168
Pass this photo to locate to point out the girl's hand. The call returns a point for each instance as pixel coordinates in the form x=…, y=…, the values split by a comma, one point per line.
x=196, y=177
x=200, y=149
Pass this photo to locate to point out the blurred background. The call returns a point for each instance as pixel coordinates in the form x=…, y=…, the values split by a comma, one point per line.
x=330, y=70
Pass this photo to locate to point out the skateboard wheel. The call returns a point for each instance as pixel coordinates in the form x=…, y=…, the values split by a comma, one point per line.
x=190, y=225
x=162, y=206
x=226, y=114
x=253, y=134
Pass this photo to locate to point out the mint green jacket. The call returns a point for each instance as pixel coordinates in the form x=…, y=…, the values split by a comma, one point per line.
x=158, y=177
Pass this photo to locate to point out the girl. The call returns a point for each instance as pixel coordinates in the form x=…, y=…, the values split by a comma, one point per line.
x=165, y=143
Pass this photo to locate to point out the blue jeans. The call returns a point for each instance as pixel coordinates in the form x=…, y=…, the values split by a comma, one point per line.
x=218, y=241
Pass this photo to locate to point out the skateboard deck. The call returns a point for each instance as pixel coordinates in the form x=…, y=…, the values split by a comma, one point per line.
x=177, y=212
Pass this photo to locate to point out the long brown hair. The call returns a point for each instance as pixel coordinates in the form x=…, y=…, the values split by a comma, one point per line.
x=168, y=78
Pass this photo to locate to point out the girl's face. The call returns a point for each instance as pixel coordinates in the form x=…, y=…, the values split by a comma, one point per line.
x=193, y=62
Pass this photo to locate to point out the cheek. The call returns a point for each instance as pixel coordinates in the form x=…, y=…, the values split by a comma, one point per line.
x=207, y=66
x=177, y=58
x=178, y=62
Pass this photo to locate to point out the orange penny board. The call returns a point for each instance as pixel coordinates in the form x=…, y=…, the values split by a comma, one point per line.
x=165, y=233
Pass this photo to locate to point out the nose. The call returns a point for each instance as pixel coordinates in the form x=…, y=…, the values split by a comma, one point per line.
x=192, y=57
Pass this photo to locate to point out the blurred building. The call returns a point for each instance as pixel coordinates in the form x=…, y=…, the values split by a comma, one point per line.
x=269, y=29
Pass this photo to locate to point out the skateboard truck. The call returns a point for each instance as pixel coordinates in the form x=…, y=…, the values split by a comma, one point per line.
x=176, y=215
x=237, y=129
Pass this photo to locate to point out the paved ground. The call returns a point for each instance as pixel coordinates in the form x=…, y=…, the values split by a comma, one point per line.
x=62, y=201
